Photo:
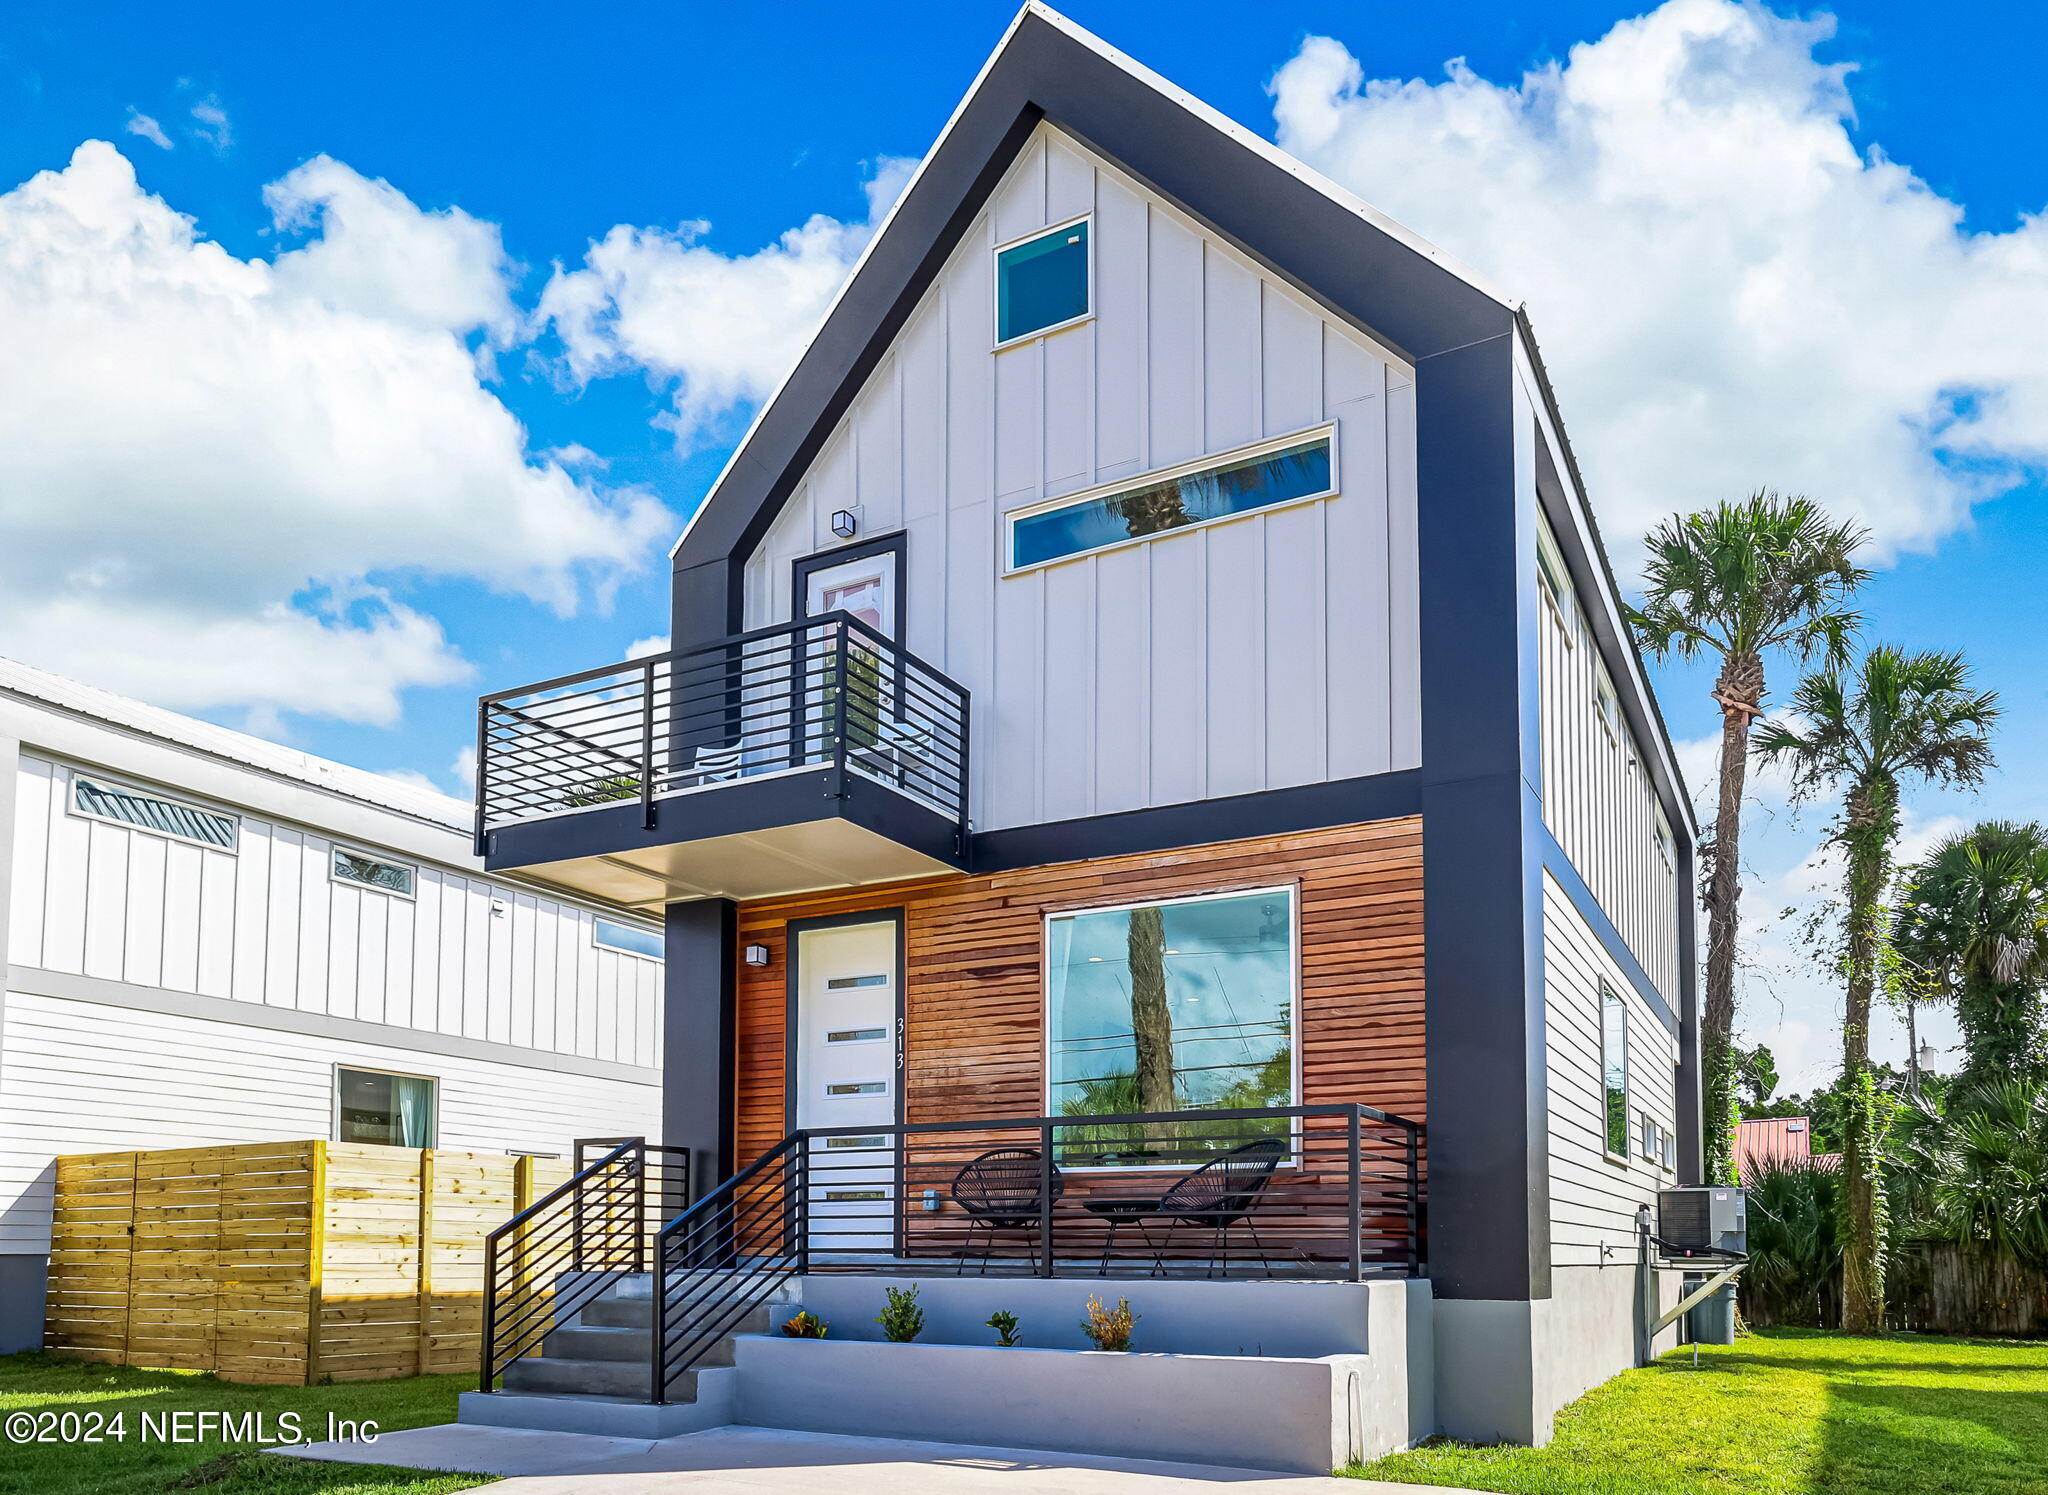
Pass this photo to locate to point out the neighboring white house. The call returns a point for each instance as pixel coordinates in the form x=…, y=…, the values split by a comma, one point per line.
x=213, y=939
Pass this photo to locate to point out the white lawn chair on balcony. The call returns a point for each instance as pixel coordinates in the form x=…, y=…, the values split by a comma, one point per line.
x=712, y=763
x=899, y=747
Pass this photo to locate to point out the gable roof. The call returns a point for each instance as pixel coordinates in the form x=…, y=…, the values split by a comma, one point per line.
x=1329, y=244
x=1326, y=242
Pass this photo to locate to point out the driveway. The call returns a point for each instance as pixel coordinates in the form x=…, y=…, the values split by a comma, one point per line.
x=733, y=1460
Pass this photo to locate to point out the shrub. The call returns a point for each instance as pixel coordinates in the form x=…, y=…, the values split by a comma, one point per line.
x=902, y=1321
x=806, y=1325
x=1110, y=1328
x=1005, y=1325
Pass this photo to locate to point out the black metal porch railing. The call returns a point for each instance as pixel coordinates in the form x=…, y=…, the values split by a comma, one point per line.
x=1329, y=1192
x=825, y=692
x=569, y=1247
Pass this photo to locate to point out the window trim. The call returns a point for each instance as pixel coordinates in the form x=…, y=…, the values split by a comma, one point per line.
x=1552, y=578
x=597, y=919
x=340, y=848
x=1321, y=431
x=1000, y=344
x=1292, y=890
x=127, y=786
x=334, y=1090
x=1606, y=701
x=1609, y=994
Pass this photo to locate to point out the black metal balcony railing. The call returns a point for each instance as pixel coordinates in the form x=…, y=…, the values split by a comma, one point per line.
x=826, y=692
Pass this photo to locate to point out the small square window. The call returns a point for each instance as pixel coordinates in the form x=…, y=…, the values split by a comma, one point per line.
x=372, y=872
x=1042, y=282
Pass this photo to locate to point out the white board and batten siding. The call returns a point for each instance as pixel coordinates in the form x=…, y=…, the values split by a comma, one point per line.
x=268, y=923
x=1265, y=651
x=1598, y=798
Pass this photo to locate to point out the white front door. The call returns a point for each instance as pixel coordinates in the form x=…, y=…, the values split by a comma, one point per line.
x=846, y=1076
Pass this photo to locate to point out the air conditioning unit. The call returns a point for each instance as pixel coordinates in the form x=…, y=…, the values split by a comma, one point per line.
x=1703, y=1219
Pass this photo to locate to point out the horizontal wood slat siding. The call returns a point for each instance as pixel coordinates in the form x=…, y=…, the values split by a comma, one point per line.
x=280, y=1262
x=974, y=1000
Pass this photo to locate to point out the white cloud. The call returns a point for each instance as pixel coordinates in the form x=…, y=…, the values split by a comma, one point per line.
x=721, y=329
x=210, y=123
x=1729, y=294
x=640, y=648
x=379, y=256
x=216, y=474
x=141, y=124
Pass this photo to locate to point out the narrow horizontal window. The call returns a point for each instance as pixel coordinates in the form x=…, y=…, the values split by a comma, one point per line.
x=854, y=1196
x=1042, y=282
x=96, y=799
x=856, y=1035
x=859, y=1087
x=372, y=872
x=849, y=983
x=855, y=1144
x=612, y=935
x=1302, y=470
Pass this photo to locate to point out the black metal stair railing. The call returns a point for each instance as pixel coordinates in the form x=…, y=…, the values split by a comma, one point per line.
x=823, y=692
x=571, y=1246
x=1341, y=1199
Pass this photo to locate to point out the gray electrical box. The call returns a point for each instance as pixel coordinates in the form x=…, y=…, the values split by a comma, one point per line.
x=1703, y=1219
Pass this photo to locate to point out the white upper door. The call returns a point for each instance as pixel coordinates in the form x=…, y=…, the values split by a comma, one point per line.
x=866, y=588
x=846, y=1076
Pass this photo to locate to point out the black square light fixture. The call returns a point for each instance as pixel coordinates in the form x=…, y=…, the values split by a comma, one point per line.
x=756, y=955
x=844, y=525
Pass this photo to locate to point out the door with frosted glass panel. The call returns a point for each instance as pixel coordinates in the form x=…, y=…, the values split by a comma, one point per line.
x=846, y=1076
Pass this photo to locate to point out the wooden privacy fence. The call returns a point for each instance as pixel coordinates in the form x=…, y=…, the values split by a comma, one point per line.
x=286, y=1262
x=1931, y=1287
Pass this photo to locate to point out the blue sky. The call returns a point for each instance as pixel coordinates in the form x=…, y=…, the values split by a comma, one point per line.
x=513, y=136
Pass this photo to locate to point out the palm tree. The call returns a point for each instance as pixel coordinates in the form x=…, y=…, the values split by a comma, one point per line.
x=1898, y=716
x=1739, y=582
x=1975, y=918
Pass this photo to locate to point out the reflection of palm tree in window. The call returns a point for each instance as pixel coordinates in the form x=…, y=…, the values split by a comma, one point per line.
x=1151, y=1020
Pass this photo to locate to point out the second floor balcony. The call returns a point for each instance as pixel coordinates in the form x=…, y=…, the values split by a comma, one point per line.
x=812, y=754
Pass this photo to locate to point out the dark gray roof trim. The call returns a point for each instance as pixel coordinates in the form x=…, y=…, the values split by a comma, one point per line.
x=1296, y=230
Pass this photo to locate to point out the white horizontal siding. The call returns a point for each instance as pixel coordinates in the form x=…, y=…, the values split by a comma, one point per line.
x=85, y=1077
x=1271, y=650
x=1593, y=1198
x=1598, y=800
x=267, y=923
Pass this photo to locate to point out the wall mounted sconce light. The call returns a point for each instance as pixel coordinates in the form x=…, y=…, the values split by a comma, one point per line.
x=757, y=955
x=844, y=525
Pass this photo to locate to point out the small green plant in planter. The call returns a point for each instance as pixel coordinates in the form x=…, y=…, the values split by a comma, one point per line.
x=902, y=1321
x=806, y=1325
x=1110, y=1328
x=1005, y=1324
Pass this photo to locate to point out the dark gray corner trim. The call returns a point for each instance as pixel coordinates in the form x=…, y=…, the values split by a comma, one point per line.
x=62, y=984
x=1691, y=1121
x=1270, y=812
x=1282, y=220
x=1559, y=866
x=700, y=1035
x=1489, y=1180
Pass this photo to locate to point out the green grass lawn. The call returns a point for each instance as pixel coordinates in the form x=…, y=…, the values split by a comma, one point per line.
x=1784, y=1412
x=35, y=1384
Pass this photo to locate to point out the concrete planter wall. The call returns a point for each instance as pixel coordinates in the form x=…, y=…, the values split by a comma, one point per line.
x=1289, y=1414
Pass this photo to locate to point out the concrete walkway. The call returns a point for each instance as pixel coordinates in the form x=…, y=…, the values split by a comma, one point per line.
x=732, y=1460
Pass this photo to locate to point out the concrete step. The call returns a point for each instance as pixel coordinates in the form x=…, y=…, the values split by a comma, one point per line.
x=610, y=1416
x=638, y=1313
x=598, y=1342
x=556, y=1376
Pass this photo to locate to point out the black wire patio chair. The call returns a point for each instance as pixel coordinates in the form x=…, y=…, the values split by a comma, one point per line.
x=1000, y=1191
x=1217, y=1195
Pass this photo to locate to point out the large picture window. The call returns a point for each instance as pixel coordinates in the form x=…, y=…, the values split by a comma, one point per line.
x=1181, y=1006
x=1614, y=1070
x=1298, y=468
